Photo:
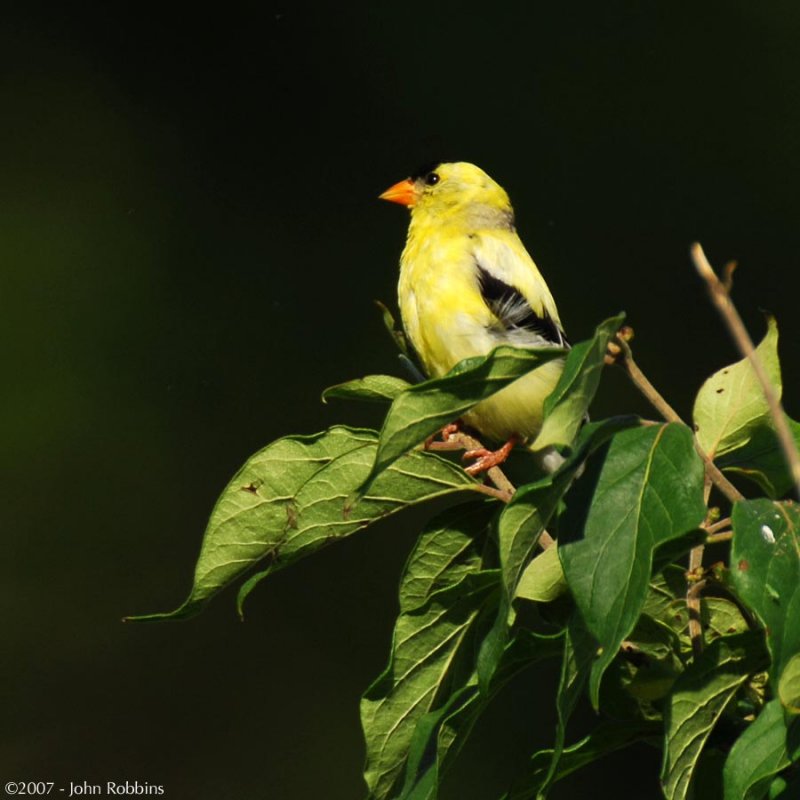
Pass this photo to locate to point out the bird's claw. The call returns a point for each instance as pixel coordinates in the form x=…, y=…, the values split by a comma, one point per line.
x=486, y=459
x=444, y=434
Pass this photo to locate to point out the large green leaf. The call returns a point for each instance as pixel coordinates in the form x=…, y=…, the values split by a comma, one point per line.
x=428, y=641
x=522, y=522
x=565, y=409
x=532, y=506
x=450, y=547
x=290, y=498
x=731, y=404
x=756, y=756
x=607, y=738
x=697, y=701
x=579, y=649
x=426, y=407
x=447, y=553
x=649, y=491
x=372, y=388
x=765, y=569
x=761, y=458
x=440, y=735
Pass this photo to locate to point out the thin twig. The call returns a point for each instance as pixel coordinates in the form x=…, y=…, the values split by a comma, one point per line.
x=719, y=525
x=722, y=536
x=492, y=492
x=693, y=601
x=668, y=412
x=503, y=489
x=693, y=598
x=720, y=296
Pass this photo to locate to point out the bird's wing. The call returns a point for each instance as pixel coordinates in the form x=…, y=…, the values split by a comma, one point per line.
x=515, y=293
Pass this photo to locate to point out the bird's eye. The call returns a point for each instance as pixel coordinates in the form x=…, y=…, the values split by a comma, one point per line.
x=431, y=178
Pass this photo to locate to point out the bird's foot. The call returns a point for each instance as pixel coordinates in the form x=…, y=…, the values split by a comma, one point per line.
x=486, y=459
x=444, y=435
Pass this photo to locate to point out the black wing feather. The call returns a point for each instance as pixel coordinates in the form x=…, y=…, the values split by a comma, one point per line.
x=514, y=312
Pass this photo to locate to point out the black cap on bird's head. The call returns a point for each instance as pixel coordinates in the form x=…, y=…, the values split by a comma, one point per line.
x=426, y=169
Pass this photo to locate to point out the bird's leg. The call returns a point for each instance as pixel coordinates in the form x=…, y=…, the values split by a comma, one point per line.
x=444, y=434
x=486, y=459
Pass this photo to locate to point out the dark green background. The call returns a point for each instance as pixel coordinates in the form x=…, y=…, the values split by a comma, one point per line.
x=190, y=245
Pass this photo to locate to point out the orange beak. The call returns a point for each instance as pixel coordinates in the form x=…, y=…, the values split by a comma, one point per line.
x=404, y=192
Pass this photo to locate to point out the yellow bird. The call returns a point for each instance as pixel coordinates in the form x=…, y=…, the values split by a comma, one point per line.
x=467, y=285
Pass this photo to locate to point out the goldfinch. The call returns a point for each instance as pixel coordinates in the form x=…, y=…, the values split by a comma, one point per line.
x=467, y=285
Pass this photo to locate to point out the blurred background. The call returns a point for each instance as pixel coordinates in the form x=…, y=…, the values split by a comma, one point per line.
x=190, y=247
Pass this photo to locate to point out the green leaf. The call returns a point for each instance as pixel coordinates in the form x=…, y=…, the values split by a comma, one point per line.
x=372, y=388
x=565, y=409
x=697, y=701
x=250, y=515
x=731, y=404
x=426, y=407
x=721, y=617
x=543, y=579
x=789, y=685
x=427, y=642
x=522, y=522
x=441, y=734
x=607, y=738
x=761, y=458
x=447, y=551
x=765, y=570
x=756, y=756
x=657, y=660
x=532, y=506
x=579, y=649
x=449, y=548
x=650, y=490
x=289, y=499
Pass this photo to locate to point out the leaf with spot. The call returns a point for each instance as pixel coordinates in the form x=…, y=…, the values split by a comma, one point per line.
x=290, y=499
x=372, y=389
x=698, y=698
x=427, y=407
x=649, y=491
x=757, y=756
x=765, y=570
x=565, y=409
x=731, y=406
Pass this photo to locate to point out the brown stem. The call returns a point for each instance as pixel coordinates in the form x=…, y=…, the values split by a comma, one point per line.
x=716, y=538
x=719, y=525
x=720, y=297
x=668, y=412
x=693, y=602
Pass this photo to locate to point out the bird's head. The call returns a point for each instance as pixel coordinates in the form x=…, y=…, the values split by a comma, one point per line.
x=452, y=187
